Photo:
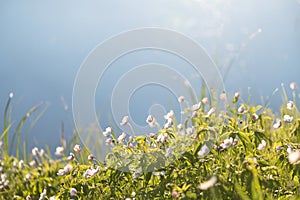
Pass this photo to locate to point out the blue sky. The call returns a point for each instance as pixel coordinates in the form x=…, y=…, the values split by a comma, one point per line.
x=43, y=44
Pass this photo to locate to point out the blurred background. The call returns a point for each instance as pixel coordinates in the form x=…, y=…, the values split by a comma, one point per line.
x=43, y=43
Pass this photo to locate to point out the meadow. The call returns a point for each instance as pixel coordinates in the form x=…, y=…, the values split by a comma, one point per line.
x=244, y=152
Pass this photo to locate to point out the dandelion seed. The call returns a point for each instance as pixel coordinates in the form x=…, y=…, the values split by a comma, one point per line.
x=205, y=100
x=122, y=138
x=124, y=121
x=290, y=105
x=59, y=151
x=203, y=151
x=294, y=157
x=77, y=148
x=293, y=85
x=71, y=156
x=288, y=118
x=208, y=184
x=277, y=124
x=181, y=99
x=73, y=192
x=210, y=112
x=107, y=131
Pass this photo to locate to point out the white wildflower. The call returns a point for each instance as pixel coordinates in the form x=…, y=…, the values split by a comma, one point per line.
x=293, y=85
x=210, y=112
x=77, y=148
x=162, y=137
x=181, y=99
x=169, y=115
x=262, y=145
x=107, y=131
x=290, y=105
x=35, y=151
x=43, y=194
x=294, y=157
x=277, y=124
x=151, y=120
x=288, y=118
x=73, y=192
x=227, y=143
x=122, y=138
x=59, y=151
x=124, y=121
x=208, y=184
x=203, y=151
x=205, y=100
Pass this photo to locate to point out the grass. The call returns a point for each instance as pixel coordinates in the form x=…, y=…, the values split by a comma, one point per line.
x=249, y=158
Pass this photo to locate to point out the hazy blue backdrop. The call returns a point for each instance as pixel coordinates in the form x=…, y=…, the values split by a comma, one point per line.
x=43, y=43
